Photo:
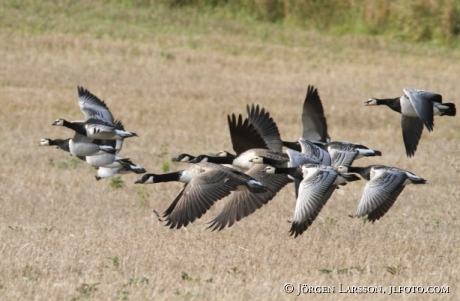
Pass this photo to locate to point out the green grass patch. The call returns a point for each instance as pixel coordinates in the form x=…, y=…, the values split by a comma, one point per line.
x=116, y=182
x=436, y=22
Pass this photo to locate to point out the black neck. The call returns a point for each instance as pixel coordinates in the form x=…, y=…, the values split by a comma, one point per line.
x=364, y=172
x=392, y=103
x=220, y=160
x=272, y=162
x=167, y=177
x=295, y=172
x=62, y=144
x=78, y=127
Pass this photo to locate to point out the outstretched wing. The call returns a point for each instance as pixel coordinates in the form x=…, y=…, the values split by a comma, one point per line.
x=266, y=127
x=313, y=119
x=380, y=193
x=342, y=157
x=422, y=102
x=244, y=135
x=198, y=196
x=92, y=106
x=412, y=128
x=314, y=191
x=244, y=203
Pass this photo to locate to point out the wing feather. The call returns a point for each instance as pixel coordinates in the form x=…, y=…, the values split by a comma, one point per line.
x=313, y=118
x=314, y=191
x=266, y=127
x=422, y=102
x=381, y=191
x=342, y=157
x=412, y=128
x=244, y=135
x=244, y=203
x=92, y=106
x=199, y=195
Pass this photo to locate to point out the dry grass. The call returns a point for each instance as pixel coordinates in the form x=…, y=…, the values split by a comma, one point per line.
x=65, y=236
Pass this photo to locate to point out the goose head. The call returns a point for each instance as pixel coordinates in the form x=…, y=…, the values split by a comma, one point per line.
x=269, y=170
x=44, y=142
x=58, y=122
x=342, y=169
x=371, y=102
x=257, y=160
x=225, y=153
x=183, y=158
x=146, y=179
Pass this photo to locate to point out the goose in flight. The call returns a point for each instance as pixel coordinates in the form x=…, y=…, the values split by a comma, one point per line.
x=99, y=122
x=344, y=153
x=385, y=184
x=205, y=183
x=417, y=108
x=318, y=182
x=256, y=131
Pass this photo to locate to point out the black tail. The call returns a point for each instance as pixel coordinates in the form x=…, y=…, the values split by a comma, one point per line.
x=421, y=181
x=450, y=111
x=377, y=153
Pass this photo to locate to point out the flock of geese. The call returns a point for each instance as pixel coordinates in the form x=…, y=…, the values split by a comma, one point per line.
x=259, y=168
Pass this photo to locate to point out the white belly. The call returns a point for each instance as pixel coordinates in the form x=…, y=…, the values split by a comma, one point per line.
x=407, y=108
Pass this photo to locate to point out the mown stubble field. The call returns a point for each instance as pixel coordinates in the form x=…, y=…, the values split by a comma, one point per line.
x=66, y=236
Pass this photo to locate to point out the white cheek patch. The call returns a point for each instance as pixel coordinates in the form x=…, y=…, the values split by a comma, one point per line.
x=269, y=170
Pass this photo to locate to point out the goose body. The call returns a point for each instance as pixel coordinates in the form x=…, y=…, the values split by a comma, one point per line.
x=99, y=122
x=107, y=164
x=62, y=144
x=297, y=173
x=126, y=166
x=318, y=182
x=95, y=129
x=104, y=160
x=81, y=145
x=384, y=185
x=205, y=183
x=344, y=153
x=243, y=160
x=99, y=129
x=311, y=149
x=417, y=108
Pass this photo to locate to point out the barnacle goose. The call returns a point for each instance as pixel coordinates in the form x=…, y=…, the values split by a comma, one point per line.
x=417, y=108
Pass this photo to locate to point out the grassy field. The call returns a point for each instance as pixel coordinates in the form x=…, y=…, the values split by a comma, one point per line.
x=66, y=236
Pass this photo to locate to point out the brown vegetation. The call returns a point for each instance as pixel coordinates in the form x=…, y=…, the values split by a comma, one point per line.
x=65, y=236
